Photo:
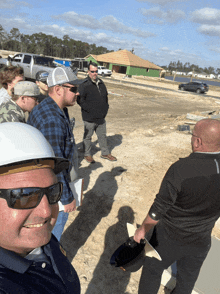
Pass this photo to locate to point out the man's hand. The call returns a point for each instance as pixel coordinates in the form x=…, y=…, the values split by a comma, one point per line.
x=70, y=207
x=147, y=224
x=139, y=234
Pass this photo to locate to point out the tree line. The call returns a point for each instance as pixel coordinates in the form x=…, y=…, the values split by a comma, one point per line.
x=40, y=43
x=187, y=67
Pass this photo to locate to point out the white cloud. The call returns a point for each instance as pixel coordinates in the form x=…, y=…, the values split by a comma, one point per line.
x=206, y=16
x=166, y=49
x=217, y=50
x=210, y=30
x=109, y=23
x=78, y=20
x=161, y=2
x=100, y=39
x=155, y=14
x=10, y=4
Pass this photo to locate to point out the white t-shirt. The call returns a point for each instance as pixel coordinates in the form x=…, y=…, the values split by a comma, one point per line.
x=4, y=96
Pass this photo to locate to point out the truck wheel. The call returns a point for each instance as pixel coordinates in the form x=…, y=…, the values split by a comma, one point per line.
x=182, y=89
x=198, y=91
x=103, y=74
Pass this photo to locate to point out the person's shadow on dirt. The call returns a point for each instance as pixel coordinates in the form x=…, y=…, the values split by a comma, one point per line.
x=85, y=172
x=106, y=278
x=97, y=203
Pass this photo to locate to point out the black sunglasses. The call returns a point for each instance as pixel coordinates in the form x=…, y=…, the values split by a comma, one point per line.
x=72, y=89
x=93, y=71
x=28, y=198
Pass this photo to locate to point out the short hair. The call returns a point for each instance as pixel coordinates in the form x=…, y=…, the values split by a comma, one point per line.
x=93, y=64
x=15, y=97
x=9, y=73
x=50, y=90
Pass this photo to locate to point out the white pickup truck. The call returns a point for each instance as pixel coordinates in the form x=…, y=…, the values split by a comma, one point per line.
x=31, y=63
x=103, y=71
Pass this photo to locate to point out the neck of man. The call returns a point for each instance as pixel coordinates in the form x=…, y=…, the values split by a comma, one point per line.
x=43, y=92
x=58, y=101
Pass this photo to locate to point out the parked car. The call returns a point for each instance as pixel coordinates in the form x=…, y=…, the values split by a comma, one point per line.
x=102, y=70
x=198, y=87
x=31, y=63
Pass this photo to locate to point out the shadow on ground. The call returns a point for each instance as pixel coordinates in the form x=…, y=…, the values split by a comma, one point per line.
x=97, y=203
x=105, y=276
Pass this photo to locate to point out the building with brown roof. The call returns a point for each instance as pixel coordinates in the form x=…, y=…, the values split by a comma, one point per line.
x=125, y=62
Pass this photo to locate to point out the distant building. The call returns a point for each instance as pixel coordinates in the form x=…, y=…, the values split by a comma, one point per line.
x=125, y=62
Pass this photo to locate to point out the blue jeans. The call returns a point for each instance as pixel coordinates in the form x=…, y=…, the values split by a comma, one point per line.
x=60, y=224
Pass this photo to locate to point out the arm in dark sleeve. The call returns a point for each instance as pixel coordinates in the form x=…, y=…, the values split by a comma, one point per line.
x=81, y=99
x=169, y=189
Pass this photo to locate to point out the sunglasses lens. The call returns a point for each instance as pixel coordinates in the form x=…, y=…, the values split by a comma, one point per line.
x=28, y=198
x=54, y=193
x=25, y=198
x=74, y=89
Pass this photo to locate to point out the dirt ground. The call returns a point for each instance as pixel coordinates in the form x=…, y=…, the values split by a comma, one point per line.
x=142, y=133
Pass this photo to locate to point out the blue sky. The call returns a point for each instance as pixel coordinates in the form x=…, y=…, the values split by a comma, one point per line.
x=159, y=30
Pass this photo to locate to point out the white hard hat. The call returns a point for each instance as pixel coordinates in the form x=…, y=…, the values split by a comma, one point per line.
x=20, y=143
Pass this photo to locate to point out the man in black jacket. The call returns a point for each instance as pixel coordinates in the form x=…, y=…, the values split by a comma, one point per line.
x=184, y=212
x=93, y=100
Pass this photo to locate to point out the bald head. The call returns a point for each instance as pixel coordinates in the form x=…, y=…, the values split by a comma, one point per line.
x=206, y=136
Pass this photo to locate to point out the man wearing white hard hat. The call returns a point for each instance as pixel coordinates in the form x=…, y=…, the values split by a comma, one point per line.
x=31, y=259
x=24, y=99
x=52, y=119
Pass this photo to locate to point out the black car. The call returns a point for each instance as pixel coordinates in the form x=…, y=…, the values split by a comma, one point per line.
x=197, y=87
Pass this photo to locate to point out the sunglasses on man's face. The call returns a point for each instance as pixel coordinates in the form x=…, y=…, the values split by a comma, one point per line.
x=28, y=198
x=93, y=71
x=72, y=89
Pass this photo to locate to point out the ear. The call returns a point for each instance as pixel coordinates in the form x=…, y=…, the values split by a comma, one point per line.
x=22, y=99
x=58, y=90
x=198, y=143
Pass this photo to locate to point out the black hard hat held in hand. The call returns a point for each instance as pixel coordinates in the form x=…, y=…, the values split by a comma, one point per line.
x=129, y=256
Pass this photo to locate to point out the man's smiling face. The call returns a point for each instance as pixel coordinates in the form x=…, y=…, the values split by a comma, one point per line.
x=21, y=230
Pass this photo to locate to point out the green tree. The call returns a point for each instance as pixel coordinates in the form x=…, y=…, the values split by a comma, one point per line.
x=3, y=37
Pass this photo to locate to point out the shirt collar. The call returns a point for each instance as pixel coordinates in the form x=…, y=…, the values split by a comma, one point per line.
x=204, y=155
x=13, y=261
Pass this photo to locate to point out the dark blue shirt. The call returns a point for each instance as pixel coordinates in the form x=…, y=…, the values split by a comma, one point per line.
x=54, y=124
x=19, y=275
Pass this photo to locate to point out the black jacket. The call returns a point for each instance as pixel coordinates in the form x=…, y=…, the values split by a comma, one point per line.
x=93, y=100
x=23, y=276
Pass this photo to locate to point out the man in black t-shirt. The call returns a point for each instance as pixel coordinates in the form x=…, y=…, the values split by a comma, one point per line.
x=181, y=218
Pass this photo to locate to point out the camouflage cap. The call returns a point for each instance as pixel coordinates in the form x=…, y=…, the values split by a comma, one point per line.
x=26, y=88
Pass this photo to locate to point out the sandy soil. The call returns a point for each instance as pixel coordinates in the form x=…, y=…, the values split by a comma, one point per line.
x=142, y=133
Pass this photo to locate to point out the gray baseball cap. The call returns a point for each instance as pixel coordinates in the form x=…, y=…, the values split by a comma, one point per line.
x=62, y=75
x=26, y=88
